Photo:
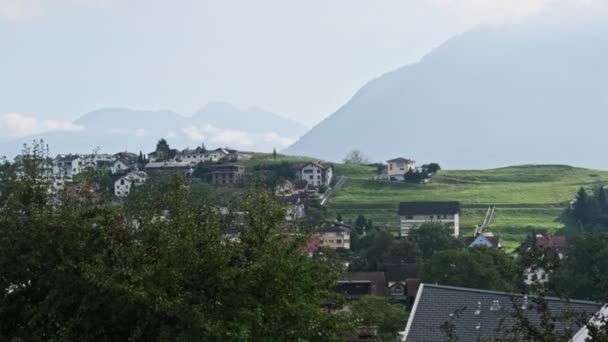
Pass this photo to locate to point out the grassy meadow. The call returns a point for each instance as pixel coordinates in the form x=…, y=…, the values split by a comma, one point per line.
x=526, y=197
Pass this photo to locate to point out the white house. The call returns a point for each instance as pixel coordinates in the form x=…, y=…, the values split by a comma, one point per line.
x=123, y=186
x=414, y=214
x=66, y=166
x=119, y=166
x=315, y=173
x=396, y=168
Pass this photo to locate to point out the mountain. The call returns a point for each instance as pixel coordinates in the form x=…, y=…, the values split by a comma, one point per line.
x=216, y=125
x=524, y=93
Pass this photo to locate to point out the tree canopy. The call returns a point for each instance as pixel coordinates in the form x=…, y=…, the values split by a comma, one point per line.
x=171, y=268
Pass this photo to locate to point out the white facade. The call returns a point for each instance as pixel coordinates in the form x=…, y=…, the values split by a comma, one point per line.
x=396, y=168
x=123, y=186
x=409, y=222
x=315, y=174
x=118, y=166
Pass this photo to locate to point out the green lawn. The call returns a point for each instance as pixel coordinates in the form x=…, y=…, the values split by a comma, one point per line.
x=526, y=197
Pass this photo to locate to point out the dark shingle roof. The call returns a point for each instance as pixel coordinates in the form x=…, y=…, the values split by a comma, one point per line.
x=371, y=283
x=334, y=227
x=429, y=208
x=394, y=272
x=473, y=316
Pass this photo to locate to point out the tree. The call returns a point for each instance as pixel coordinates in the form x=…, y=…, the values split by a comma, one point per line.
x=432, y=237
x=431, y=168
x=274, y=153
x=479, y=267
x=339, y=218
x=162, y=146
x=584, y=273
x=162, y=270
x=355, y=157
x=378, y=312
x=413, y=176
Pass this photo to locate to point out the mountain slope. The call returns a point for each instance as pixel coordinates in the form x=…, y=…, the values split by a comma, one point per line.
x=216, y=125
x=487, y=98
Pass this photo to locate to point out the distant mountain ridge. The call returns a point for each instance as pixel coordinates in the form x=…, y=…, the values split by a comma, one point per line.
x=487, y=98
x=215, y=125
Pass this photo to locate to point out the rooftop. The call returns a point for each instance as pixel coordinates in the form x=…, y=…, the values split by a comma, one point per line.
x=428, y=208
x=477, y=314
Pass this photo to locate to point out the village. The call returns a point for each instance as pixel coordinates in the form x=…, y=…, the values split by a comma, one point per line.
x=308, y=185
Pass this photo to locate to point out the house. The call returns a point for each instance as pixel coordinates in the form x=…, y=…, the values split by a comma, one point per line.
x=217, y=154
x=123, y=186
x=226, y=174
x=481, y=315
x=171, y=166
x=161, y=156
x=335, y=235
x=96, y=161
x=414, y=214
x=234, y=156
x=286, y=188
x=295, y=208
x=302, y=187
x=484, y=239
x=120, y=166
x=318, y=174
x=196, y=155
x=355, y=285
x=541, y=244
x=400, y=279
x=66, y=166
x=396, y=168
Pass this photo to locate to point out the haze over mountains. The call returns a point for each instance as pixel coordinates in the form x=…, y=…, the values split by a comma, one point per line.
x=535, y=92
x=217, y=125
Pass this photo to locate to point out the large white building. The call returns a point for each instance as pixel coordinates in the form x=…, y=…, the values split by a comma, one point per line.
x=414, y=214
x=123, y=186
x=315, y=173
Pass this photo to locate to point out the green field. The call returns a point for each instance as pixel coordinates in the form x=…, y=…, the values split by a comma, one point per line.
x=531, y=196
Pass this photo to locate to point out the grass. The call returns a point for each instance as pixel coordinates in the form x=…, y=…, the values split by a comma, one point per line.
x=526, y=197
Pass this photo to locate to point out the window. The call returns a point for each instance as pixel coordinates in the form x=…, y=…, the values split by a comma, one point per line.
x=338, y=241
x=318, y=171
x=312, y=177
x=122, y=182
x=308, y=171
x=391, y=166
x=410, y=217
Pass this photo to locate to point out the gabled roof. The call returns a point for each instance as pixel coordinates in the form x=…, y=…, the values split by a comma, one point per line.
x=334, y=227
x=374, y=283
x=477, y=314
x=395, y=272
x=319, y=164
x=428, y=208
x=401, y=160
x=491, y=238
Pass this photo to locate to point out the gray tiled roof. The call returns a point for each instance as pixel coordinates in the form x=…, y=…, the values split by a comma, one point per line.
x=473, y=316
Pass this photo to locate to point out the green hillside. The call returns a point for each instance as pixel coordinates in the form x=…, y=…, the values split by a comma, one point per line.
x=525, y=196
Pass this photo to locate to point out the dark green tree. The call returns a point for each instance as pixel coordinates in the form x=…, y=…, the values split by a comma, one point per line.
x=162, y=146
x=274, y=153
x=162, y=270
x=479, y=267
x=583, y=274
x=378, y=312
x=432, y=237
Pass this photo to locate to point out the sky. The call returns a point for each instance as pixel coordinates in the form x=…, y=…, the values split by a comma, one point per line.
x=60, y=59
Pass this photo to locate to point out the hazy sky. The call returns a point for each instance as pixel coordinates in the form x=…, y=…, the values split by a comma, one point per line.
x=62, y=58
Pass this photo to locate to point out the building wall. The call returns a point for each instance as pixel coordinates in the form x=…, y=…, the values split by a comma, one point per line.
x=335, y=240
x=398, y=169
x=414, y=221
x=315, y=175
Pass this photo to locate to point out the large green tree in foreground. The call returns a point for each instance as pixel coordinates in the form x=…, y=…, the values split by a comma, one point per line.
x=165, y=271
